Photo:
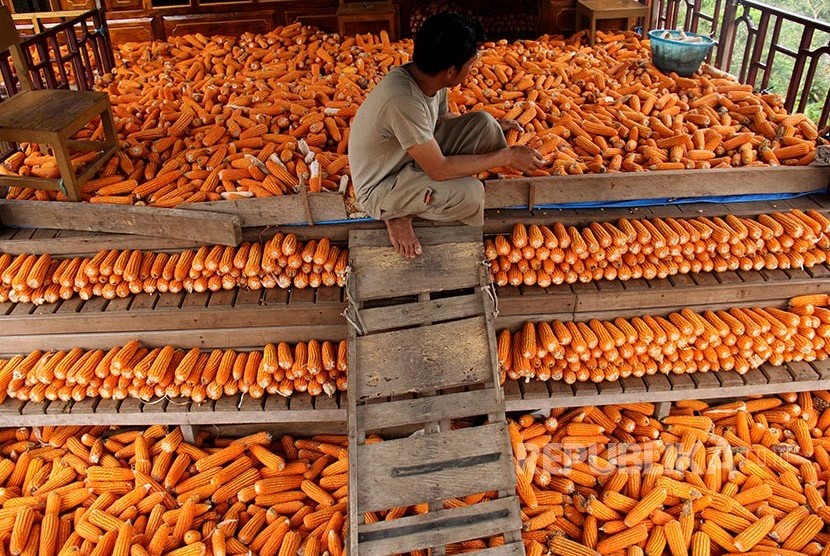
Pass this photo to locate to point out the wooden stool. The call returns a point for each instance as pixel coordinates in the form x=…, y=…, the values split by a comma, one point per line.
x=51, y=117
x=368, y=12
x=630, y=10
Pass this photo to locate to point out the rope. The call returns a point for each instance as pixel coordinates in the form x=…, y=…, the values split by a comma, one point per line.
x=490, y=288
x=356, y=322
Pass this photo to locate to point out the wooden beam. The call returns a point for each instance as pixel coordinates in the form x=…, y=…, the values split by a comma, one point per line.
x=591, y=188
x=204, y=227
x=273, y=211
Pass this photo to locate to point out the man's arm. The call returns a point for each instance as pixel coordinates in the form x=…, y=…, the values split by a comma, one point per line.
x=439, y=167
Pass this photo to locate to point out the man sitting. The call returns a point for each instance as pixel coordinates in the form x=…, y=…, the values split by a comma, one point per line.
x=410, y=157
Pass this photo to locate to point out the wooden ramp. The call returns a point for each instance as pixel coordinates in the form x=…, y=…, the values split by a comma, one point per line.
x=422, y=351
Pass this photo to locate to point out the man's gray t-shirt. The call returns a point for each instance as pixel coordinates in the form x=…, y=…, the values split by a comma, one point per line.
x=395, y=116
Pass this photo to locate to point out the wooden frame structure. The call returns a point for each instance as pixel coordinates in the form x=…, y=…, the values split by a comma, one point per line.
x=52, y=117
x=242, y=319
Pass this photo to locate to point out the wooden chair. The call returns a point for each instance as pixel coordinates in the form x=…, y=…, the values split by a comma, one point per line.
x=596, y=10
x=51, y=117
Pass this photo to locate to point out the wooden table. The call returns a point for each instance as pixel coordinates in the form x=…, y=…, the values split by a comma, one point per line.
x=630, y=10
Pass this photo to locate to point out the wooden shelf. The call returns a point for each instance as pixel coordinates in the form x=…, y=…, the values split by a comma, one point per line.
x=226, y=319
x=792, y=377
x=299, y=408
x=519, y=396
x=608, y=300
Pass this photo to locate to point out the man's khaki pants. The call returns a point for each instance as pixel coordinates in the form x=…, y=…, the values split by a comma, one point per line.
x=413, y=193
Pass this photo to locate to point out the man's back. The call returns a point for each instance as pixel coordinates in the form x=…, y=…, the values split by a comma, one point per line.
x=395, y=116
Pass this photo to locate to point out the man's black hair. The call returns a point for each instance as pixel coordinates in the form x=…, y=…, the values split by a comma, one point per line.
x=446, y=40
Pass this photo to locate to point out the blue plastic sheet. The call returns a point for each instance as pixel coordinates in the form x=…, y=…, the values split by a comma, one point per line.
x=755, y=197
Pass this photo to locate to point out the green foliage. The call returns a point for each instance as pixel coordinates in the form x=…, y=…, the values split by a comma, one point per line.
x=778, y=79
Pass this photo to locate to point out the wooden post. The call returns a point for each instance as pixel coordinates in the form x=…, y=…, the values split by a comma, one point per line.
x=726, y=40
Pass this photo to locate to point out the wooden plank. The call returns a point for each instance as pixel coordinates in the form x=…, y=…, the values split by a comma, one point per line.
x=681, y=381
x=85, y=406
x=381, y=272
x=667, y=184
x=705, y=380
x=207, y=227
x=512, y=390
x=634, y=385
x=432, y=408
x=511, y=549
x=427, y=236
x=436, y=466
x=802, y=371
x=421, y=359
x=300, y=401
x=271, y=211
x=822, y=369
x=776, y=374
x=729, y=378
x=439, y=528
x=245, y=337
x=88, y=243
x=142, y=318
x=58, y=407
x=535, y=389
x=815, y=376
x=170, y=301
x=585, y=389
x=421, y=312
x=657, y=382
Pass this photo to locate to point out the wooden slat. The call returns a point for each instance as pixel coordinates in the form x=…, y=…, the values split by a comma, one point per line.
x=791, y=377
x=421, y=359
x=133, y=412
x=432, y=408
x=665, y=184
x=421, y=312
x=251, y=337
x=270, y=211
x=512, y=549
x=208, y=227
x=434, y=467
x=438, y=528
x=427, y=236
x=380, y=272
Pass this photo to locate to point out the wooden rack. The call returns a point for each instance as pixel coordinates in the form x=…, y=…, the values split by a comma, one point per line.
x=246, y=320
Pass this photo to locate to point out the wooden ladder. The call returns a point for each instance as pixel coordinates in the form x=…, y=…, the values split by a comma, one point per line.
x=424, y=358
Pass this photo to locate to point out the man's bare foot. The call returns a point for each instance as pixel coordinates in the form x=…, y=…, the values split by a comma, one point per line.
x=403, y=237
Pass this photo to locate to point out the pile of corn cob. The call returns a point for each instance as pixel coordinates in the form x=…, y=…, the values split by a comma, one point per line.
x=657, y=248
x=203, y=118
x=281, y=262
x=747, y=477
x=736, y=478
x=83, y=491
x=739, y=339
x=139, y=372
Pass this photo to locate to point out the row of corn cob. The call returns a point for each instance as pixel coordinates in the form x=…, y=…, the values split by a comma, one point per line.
x=281, y=262
x=202, y=118
x=739, y=339
x=530, y=255
x=656, y=248
x=139, y=372
x=747, y=477
x=87, y=492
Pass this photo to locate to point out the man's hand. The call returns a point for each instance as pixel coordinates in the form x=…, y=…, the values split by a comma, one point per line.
x=507, y=125
x=524, y=158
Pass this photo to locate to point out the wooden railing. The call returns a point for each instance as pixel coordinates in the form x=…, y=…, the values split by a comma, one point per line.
x=752, y=47
x=66, y=55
